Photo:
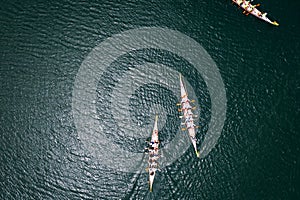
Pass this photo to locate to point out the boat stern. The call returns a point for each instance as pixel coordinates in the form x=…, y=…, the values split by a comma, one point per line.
x=151, y=180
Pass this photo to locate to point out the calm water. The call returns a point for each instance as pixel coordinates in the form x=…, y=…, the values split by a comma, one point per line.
x=42, y=46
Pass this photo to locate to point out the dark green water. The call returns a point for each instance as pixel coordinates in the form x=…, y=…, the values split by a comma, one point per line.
x=42, y=46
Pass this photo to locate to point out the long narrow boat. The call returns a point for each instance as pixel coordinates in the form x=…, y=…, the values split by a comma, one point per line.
x=153, y=154
x=188, y=115
x=251, y=9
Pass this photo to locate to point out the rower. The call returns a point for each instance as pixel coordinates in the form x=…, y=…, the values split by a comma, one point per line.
x=151, y=148
x=251, y=7
x=185, y=100
x=153, y=165
x=189, y=112
x=190, y=125
x=186, y=106
x=188, y=119
x=151, y=151
x=154, y=155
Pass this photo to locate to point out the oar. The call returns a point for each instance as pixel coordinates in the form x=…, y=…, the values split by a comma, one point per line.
x=193, y=101
x=183, y=116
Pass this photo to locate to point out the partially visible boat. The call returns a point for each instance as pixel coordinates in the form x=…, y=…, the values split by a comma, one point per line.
x=153, y=154
x=188, y=115
x=251, y=9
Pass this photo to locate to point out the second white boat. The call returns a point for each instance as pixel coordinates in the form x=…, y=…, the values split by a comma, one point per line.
x=188, y=115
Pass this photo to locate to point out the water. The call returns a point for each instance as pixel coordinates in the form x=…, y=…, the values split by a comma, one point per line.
x=42, y=47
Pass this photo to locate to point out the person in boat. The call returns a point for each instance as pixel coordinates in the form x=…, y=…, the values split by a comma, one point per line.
x=259, y=14
x=154, y=142
x=251, y=8
x=186, y=107
x=153, y=165
x=188, y=118
x=152, y=173
x=151, y=147
x=150, y=164
x=189, y=112
x=150, y=152
x=151, y=161
x=246, y=5
x=155, y=155
x=185, y=100
x=190, y=125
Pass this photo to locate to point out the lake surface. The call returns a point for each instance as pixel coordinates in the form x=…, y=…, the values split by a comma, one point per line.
x=53, y=146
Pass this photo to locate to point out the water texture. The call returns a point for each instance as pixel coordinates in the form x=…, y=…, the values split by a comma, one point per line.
x=43, y=46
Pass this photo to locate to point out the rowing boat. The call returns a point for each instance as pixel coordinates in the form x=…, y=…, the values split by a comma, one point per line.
x=249, y=8
x=188, y=115
x=153, y=154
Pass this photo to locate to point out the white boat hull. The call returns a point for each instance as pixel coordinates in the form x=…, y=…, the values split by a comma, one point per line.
x=187, y=113
x=251, y=9
x=153, y=154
